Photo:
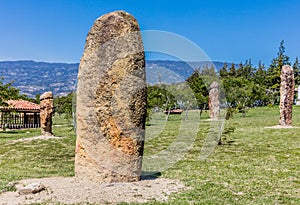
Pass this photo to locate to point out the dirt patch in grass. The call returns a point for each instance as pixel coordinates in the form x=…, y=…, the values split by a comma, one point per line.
x=41, y=137
x=281, y=127
x=71, y=191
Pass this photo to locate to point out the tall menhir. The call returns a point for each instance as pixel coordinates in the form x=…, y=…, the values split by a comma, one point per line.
x=287, y=87
x=46, y=112
x=111, y=101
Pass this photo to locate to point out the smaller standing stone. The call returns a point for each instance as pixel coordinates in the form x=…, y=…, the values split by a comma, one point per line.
x=46, y=112
x=287, y=87
x=214, y=101
x=298, y=98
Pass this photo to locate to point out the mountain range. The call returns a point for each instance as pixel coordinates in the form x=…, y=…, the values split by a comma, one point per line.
x=32, y=77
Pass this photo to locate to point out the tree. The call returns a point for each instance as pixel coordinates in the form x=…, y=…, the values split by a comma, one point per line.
x=184, y=95
x=232, y=70
x=64, y=105
x=208, y=75
x=273, y=74
x=260, y=80
x=208, y=70
x=199, y=88
x=296, y=68
x=245, y=87
x=37, y=98
x=9, y=92
x=246, y=70
x=160, y=97
x=260, y=76
x=274, y=70
x=223, y=71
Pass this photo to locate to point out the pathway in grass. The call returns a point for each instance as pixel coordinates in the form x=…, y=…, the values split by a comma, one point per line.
x=41, y=137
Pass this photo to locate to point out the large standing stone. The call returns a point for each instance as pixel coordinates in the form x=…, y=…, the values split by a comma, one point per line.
x=46, y=112
x=111, y=101
x=286, y=95
x=214, y=101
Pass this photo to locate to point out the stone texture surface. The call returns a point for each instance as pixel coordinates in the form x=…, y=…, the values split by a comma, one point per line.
x=286, y=95
x=111, y=101
x=214, y=101
x=46, y=112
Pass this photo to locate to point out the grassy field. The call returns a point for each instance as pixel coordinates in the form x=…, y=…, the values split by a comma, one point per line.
x=254, y=165
x=38, y=158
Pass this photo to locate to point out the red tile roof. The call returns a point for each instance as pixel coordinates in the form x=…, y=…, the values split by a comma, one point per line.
x=21, y=105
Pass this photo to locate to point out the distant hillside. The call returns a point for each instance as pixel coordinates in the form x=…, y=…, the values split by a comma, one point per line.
x=37, y=77
x=166, y=71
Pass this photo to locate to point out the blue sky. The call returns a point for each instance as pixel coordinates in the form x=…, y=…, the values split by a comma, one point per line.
x=232, y=31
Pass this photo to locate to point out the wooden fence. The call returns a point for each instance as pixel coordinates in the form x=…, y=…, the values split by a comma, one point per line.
x=19, y=120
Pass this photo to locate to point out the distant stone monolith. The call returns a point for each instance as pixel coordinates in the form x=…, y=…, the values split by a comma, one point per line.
x=214, y=101
x=111, y=102
x=286, y=95
x=46, y=112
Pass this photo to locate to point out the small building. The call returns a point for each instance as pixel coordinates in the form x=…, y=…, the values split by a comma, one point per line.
x=20, y=114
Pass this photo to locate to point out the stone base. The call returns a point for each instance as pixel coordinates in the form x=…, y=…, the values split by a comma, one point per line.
x=45, y=133
x=93, y=172
x=105, y=164
x=101, y=175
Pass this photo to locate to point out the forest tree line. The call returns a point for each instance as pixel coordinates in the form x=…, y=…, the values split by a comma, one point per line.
x=243, y=86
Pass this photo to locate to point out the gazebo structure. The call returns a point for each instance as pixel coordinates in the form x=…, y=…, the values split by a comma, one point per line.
x=19, y=114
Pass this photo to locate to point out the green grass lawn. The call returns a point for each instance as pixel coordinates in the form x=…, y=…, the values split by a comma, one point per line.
x=254, y=165
x=38, y=158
